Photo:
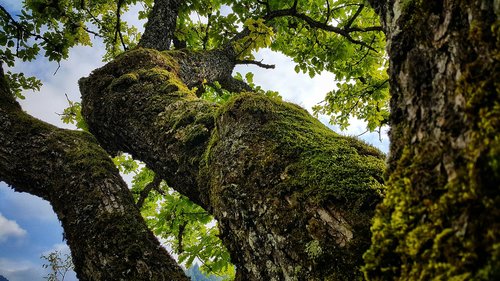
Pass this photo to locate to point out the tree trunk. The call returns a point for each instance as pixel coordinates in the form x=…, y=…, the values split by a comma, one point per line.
x=106, y=234
x=293, y=199
x=440, y=219
x=160, y=27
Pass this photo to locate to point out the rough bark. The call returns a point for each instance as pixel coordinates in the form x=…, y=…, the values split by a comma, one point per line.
x=106, y=234
x=160, y=27
x=440, y=219
x=294, y=200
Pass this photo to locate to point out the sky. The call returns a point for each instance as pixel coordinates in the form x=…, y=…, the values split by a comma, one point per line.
x=28, y=226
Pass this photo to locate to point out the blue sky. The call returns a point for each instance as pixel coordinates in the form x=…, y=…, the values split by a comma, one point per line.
x=29, y=227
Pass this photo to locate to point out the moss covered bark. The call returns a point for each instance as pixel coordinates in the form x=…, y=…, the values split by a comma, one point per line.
x=106, y=234
x=440, y=219
x=294, y=199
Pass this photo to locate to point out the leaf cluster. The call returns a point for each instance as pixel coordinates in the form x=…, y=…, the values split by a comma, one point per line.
x=73, y=115
x=188, y=230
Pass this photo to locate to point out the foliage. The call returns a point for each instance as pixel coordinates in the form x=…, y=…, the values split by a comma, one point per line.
x=73, y=115
x=215, y=93
x=342, y=37
x=59, y=265
x=196, y=275
x=185, y=227
x=18, y=82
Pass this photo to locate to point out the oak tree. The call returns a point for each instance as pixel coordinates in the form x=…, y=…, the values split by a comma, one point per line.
x=293, y=200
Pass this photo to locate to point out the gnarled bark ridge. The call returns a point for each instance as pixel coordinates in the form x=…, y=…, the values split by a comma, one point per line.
x=293, y=199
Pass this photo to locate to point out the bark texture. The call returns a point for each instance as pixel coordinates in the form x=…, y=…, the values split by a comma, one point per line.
x=294, y=200
x=440, y=219
x=160, y=27
x=108, y=238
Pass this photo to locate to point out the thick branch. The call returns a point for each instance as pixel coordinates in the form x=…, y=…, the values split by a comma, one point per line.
x=277, y=180
x=160, y=27
x=106, y=234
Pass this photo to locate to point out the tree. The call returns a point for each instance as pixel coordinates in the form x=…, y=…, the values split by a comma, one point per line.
x=440, y=217
x=293, y=199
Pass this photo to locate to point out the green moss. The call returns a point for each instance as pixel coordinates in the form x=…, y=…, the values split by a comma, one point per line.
x=279, y=151
x=445, y=225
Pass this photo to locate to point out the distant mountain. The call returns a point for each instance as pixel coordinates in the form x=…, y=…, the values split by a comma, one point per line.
x=3, y=278
x=196, y=275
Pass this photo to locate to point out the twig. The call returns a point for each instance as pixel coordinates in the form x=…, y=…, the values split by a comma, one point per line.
x=147, y=189
x=118, y=25
x=258, y=63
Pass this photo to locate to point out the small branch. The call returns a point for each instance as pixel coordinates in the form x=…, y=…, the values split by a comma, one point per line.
x=96, y=20
x=328, y=11
x=258, y=63
x=155, y=184
x=180, y=235
x=205, y=39
x=353, y=18
x=57, y=69
x=362, y=133
x=345, y=32
x=118, y=25
x=23, y=29
x=96, y=34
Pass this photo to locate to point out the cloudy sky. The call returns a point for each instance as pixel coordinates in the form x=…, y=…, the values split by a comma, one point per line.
x=29, y=227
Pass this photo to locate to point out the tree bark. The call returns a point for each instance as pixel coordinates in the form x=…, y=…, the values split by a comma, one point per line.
x=160, y=27
x=106, y=234
x=440, y=219
x=293, y=199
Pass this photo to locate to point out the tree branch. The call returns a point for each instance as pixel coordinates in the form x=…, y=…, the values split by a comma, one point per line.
x=345, y=32
x=258, y=63
x=353, y=18
x=154, y=185
x=161, y=24
x=118, y=25
x=71, y=171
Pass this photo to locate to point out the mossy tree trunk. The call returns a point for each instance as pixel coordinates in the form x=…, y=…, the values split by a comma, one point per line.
x=107, y=236
x=294, y=200
x=440, y=219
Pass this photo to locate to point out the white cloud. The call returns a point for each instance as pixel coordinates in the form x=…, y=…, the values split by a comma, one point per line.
x=9, y=228
x=20, y=270
x=61, y=248
x=28, y=206
x=51, y=99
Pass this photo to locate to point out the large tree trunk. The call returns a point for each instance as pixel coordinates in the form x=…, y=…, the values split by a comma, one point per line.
x=440, y=219
x=294, y=200
x=106, y=234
